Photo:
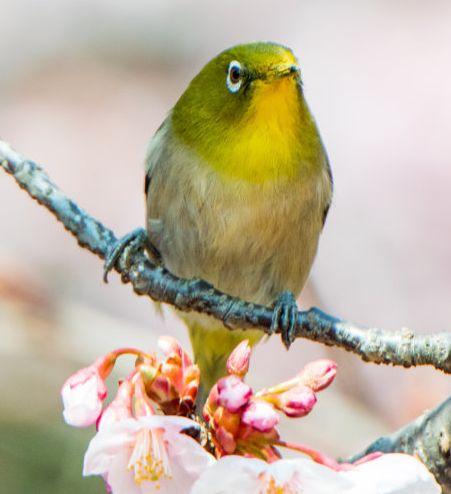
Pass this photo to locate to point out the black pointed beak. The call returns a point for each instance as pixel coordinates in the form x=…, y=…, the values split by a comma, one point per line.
x=288, y=70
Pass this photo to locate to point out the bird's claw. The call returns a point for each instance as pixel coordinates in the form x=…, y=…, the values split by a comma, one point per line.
x=285, y=317
x=129, y=244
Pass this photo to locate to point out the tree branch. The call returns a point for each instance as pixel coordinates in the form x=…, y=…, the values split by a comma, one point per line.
x=372, y=345
x=428, y=438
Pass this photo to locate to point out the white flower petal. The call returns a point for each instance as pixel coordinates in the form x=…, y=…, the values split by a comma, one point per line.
x=107, y=443
x=188, y=453
x=395, y=474
x=231, y=474
x=119, y=478
x=239, y=475
x=309, y=477
x=187, y=461
x=389, y=474
x=171, y=423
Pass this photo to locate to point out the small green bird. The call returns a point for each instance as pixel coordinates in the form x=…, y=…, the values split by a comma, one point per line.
x=238, y=187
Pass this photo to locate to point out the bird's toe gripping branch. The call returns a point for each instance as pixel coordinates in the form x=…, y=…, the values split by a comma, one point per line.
x=128, y=245
x=285, y=317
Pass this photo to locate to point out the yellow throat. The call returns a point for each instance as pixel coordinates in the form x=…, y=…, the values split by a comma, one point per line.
x=264, y=145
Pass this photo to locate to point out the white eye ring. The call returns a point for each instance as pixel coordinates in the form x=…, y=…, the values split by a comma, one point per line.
x=234, y=76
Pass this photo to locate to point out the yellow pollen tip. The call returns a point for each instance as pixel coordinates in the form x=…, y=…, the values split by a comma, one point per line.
x=149, y=461
x=272, y=487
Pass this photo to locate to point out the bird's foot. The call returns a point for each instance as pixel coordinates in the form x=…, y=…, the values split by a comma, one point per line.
x=129, y=244
x=285, y=317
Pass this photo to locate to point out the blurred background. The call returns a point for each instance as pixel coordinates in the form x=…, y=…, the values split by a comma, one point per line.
x=84, y=85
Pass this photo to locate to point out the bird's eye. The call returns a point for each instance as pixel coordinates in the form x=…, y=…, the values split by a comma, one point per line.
x=234, y=76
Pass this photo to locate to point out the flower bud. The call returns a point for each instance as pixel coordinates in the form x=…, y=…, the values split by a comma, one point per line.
x=172, y=349
x=148, y=374
x=211, y=404
x=233, y=393
x=238, y=361
x=190, y=386
x=319, y=374
x=225, y=440
x=161, y=389
x=296, y=402
x=83, y=393
x=260, y=415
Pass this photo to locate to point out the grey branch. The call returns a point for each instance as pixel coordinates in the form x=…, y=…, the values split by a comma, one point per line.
x=373, y=345
x=428, y=438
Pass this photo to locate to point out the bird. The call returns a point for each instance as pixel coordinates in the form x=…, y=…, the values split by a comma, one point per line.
x=238, y=186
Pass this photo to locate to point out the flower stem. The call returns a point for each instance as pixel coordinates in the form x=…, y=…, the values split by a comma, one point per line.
x=315, y=455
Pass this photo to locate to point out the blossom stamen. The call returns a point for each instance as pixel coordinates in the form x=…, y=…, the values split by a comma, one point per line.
x=273, y=487
x=149, y=460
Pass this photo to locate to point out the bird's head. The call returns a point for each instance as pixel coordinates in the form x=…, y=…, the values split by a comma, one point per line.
x=246, y=104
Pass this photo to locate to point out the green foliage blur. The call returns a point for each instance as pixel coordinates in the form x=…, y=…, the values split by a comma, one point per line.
x=44, y=459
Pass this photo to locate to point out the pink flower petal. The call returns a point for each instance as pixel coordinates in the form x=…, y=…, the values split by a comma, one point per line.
x=120, y=408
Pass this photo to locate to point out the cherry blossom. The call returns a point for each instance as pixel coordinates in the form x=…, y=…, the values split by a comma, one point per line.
x=146, y=443
x=389, y=474
x=147, y=454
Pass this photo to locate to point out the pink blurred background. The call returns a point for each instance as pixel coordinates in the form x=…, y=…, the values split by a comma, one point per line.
x=83, y=86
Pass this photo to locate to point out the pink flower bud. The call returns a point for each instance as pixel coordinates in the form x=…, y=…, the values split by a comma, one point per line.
x=233, y=393
x=84, y=392
x=190, y=386
x=238, y=362
x=172, y=349
x=260, y=415
x=174, y=382
x=120, y=408
x=319, y=374
x=211, y=404
x=226, y=440
x=296, y=402
x=161, y=389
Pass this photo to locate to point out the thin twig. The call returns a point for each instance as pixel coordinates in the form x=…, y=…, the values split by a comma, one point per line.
x=372, y=345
